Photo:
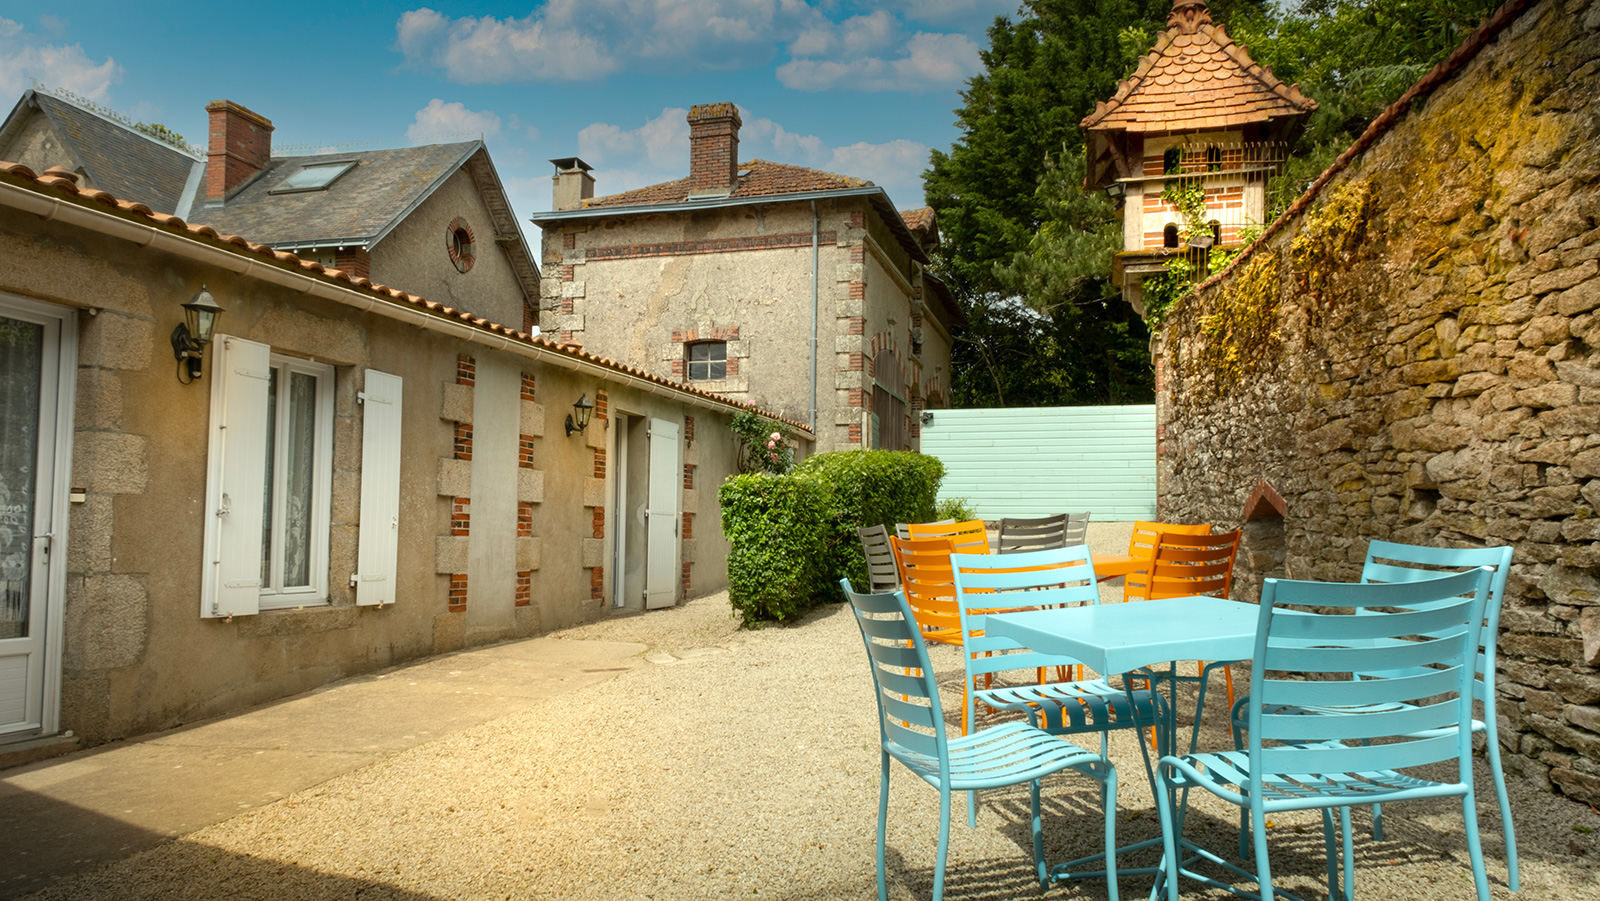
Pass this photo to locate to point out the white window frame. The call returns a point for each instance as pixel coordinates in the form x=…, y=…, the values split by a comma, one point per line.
x=690, y=362
x=321, y=489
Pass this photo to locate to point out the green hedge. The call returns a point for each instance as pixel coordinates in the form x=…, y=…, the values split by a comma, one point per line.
x=794, y=535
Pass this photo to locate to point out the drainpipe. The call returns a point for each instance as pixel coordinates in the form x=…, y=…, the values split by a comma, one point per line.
x=814, y=226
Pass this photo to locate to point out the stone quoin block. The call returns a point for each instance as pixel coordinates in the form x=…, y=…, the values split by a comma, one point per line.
x=530, y=485
x=455, y=402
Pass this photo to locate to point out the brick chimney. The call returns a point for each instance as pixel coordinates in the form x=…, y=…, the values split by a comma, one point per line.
x=573, y=185
x=713, y=148
x=240, y=147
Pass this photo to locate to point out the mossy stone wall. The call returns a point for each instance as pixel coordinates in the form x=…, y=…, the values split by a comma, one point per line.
x=1416, y=357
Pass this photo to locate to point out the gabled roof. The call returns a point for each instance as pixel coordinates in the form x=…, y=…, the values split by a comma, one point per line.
x=360, y=207
x=760, y=181
x=115, y=158
x=1196, y=78
x=758, y=178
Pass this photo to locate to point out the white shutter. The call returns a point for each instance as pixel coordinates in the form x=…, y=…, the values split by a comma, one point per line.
x=380, y=489
x=661, y=516
x=235, y=486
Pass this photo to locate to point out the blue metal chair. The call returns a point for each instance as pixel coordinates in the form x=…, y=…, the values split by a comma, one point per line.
x=1368, y=730
x=912, y=729
x=1389, y=561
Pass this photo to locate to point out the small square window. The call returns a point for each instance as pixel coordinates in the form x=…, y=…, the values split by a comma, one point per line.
x=708, y=360
x=314, y=177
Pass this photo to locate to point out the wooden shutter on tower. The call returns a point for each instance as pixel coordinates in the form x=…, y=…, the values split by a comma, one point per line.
x=379, y=545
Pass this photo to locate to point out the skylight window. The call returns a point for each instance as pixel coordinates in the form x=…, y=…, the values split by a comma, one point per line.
x=314, y=177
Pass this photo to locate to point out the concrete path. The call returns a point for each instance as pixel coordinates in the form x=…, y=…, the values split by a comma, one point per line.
x=77, y=812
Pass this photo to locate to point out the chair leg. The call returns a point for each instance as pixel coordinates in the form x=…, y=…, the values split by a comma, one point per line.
x=1110, y=804
x=1348, y=841
x=1512, y=878
x=1258, y=825
x=1330, y=853
x=1169, y=835
x=1227, y=672
x=883, y=827
x=944, y=843
x=1377, y=822
x=1469, y=815
x=1037, y=824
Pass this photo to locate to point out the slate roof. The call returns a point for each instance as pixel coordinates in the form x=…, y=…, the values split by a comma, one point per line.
x=62, y=184
x=114, y=157
x=359, y=208
x=764, y=178
x=1196, y=78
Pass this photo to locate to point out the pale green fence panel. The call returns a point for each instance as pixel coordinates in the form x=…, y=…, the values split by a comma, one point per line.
x=1035, y=461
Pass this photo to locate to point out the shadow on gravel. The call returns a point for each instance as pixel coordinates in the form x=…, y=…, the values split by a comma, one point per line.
x=31, y=825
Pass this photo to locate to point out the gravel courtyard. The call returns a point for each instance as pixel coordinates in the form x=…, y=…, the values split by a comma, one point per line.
x=743, y=764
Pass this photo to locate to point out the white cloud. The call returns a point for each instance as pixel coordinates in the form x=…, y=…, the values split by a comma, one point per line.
x=866, y=53
x=658, y=151
x=23, y=56
x=441, y=121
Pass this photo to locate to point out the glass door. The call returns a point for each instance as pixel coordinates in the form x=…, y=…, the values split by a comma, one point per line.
x=30, y=418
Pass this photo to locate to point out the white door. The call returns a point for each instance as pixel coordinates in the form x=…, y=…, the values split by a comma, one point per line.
x=33, y=450
x=661, y=516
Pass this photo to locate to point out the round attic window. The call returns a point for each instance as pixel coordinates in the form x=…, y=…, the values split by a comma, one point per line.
x=459, y=242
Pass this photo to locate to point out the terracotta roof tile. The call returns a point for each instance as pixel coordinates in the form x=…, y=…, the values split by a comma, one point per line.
x=763, y=178
x=22, y=176
x=1196, y=77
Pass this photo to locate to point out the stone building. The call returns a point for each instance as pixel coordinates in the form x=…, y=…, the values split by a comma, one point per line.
x=348, y=476
x=1412, y=353
x=802, y=291
x=1198, y=114
x=432, y=219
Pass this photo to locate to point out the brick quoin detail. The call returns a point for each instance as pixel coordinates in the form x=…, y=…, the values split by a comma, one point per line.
x=688, y=525
x=858, y=290
x=527, y=387
x=597, y=583
x=599, y=522
x=458, y=592
x=463, y=441
x=858, y=398
x=858, y=255
x=525, y=451
x=854, y=434
x=567, y=305
x=857, y=325
x=707, y=245
x=688, y=429
x=567, y=272
x=599, y=462
x=461, y=516
x=858, y=220
x=355, y=260
x=600, y=404
x=688, y=476
x=524, y=588
x=677, y=370
x=686, y=568
x=524, y=519
x=732, y=366
x=858, y=362
x=466, y=370
x=569, y=241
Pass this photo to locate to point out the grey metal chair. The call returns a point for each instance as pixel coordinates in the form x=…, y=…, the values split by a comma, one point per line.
x=1043, y=533
x=882, y=575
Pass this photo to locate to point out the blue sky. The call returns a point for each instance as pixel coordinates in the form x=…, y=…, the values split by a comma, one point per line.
x=860, y=88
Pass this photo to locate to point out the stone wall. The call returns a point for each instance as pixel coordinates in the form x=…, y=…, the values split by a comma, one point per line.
x=1413, y=354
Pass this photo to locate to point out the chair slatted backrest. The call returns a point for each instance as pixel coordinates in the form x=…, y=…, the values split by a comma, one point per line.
x=1389, y=561
x=1304, y=659
x=971, y=536
x=1187, y=565
x=1142, y=543
x=1043, y=533
x=929, y=586
x=1029, y=580
x=903, y=529
x=882, y=574
x=909, y=715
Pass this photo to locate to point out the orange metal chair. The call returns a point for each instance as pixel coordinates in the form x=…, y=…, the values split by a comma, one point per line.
x=971, y=536
x=929, y=585
x=1189, y=565
x=1146, y=535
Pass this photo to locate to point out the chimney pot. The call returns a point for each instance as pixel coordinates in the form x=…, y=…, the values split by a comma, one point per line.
x=573, y=183
x=240, y=147
x=713, y=149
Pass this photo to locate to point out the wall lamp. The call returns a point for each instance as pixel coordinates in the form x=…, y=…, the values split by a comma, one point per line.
x=190, y=337
x=927, y=417
x=1116, y=191
x=583, y=409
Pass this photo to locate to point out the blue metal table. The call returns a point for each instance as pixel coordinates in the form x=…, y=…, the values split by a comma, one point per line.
x=1129, y=638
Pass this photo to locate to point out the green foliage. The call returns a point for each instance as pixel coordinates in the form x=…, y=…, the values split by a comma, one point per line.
x=1189, y=197
x=781, y=529
x=794, y=535
x=959, y=509
x=765, y=445
x=161, y=133
x=1162, y=291
x=1241, y=328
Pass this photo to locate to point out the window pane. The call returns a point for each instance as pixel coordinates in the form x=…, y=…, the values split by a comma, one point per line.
x=708, y=360
x=299, y=476
x=21, y=356
x=268, y=495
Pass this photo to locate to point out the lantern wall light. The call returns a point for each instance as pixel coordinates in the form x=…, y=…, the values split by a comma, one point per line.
x=190, y=337
x=583, y=409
